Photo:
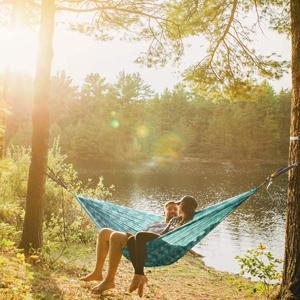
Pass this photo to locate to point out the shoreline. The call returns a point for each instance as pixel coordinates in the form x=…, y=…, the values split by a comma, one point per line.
x=186, y=164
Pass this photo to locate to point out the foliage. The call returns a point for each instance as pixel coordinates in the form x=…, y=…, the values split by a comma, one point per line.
x=8, y=233
x=64, y=219
x=101, y=123
x=228, y=27
x=226, y=31
x=262, y=265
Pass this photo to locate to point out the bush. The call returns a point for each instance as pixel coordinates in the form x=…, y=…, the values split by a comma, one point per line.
x=261, y=265
x=65, y=221
x=8, y=234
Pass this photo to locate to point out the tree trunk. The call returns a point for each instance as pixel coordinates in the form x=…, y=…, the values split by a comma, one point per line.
x=33, y=223
x=291, y=270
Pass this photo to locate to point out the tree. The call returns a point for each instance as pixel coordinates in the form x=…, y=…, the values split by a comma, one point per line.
x=130, y=88
x=105, y=16
x=33, y=222
x=292, y=244
x=231, y=64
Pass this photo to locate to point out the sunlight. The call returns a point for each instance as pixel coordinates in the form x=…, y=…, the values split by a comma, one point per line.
x=18, y=49
x=115, y=123
x=168, y=146
x=142, y=131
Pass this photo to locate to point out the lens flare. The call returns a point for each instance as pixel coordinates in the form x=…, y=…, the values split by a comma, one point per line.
x=169, y=146
x=114, y=123
x=142, y=131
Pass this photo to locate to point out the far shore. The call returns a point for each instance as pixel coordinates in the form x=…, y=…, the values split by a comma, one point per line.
x=183, y=164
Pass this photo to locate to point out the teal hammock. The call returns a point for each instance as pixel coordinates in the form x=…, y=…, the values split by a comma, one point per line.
x=170, y=247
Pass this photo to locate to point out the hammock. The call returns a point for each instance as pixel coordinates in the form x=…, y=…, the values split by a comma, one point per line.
x=170, y=247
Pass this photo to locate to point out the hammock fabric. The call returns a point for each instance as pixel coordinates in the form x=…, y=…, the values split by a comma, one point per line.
x=170, y=247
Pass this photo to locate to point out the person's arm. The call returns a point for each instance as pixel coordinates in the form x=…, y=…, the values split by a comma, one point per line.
x=166, y=229
x=172, y=222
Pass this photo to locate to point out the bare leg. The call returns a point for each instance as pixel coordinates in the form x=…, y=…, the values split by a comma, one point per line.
x=118, y=241
x=101, y=254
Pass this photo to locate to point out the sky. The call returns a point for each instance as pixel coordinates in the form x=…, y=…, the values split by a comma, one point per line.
x=79, y=55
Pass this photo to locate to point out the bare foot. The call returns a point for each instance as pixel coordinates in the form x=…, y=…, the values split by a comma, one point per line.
x=135, y=282
x=92, y=276
x=143, y=281
x=103, y=286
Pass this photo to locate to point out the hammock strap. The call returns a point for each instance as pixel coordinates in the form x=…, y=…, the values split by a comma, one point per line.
x=269, y=179
x=283, y=170
x=58, y=180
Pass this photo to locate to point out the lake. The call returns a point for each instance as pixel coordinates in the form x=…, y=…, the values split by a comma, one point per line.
x=261, y=219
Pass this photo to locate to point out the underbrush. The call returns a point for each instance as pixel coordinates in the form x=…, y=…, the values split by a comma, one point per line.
x=65, y=221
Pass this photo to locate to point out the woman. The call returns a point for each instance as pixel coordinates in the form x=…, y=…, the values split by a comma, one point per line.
x=137, y=244
x=112, y=243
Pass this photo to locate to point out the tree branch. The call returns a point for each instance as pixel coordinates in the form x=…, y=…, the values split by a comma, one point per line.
x=221, y=39
x=103, y=8
x=257, y=16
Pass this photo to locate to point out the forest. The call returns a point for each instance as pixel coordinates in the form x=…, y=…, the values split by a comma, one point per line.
x=61, y=231
x=185, y=122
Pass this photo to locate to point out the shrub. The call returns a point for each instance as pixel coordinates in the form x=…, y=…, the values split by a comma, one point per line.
x=261, y=265
x=64, y=219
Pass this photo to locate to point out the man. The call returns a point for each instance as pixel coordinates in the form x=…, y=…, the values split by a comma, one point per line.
x=112, y=242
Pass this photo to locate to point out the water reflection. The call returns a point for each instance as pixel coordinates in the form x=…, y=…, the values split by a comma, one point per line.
x=259, y=220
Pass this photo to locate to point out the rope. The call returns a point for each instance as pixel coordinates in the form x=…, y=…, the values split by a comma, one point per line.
x=283, y=170
x=58, y=180
x=63, y=215
x=269, y=179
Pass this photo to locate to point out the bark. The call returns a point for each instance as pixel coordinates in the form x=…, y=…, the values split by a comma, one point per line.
x=291, y=280
x=33, y=222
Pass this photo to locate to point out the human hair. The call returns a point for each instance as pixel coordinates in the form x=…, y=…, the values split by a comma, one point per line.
x=169, y=203
x=188, y=206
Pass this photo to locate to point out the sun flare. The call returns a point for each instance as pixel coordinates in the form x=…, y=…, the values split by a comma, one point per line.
x=18, y=50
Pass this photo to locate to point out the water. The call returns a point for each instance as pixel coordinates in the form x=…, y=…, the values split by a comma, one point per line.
x=259, y=220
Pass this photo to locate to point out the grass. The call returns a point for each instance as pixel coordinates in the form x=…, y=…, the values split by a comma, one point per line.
x=187, y=279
